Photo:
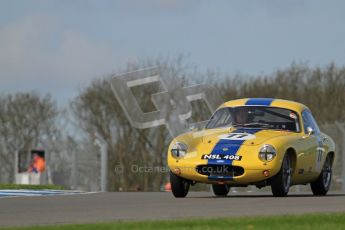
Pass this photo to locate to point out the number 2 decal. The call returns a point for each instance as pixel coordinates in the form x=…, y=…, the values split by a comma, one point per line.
x=319, y=156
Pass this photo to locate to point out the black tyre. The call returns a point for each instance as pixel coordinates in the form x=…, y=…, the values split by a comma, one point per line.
x=179, y=186
x=220, y=189
x=321, y=186
x=280, y=183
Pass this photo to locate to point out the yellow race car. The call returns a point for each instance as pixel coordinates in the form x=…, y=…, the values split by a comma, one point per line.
x=256, y=141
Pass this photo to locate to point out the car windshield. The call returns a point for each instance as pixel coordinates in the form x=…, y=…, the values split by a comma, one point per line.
x=255, y=117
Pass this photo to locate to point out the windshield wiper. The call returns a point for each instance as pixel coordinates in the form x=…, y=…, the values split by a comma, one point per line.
x=256, y=124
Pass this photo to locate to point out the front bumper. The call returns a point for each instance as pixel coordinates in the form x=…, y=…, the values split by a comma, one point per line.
x=236, y=174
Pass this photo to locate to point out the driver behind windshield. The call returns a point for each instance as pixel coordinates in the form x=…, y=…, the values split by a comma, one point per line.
x=255, y=116
x=241, y=116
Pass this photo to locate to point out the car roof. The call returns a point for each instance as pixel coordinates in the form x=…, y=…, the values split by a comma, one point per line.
x=270, y=102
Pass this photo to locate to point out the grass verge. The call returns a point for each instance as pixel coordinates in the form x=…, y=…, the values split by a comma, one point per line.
x=29, y=186
x=307, y=221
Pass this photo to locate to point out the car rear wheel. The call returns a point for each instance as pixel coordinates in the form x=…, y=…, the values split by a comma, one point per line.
x=321, y=186
x=280, y=183
x=220, y=189
x=179, y=186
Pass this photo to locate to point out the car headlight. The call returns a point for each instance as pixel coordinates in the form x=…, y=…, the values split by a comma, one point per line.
x=267, y=153
x=179, y=150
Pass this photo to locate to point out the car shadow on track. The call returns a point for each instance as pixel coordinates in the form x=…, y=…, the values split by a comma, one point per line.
x=255, y=196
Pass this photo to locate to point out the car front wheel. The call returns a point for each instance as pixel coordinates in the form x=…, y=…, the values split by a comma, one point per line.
x=321, y=186
x=220, y=189
x=280, y=183
x=179, y=186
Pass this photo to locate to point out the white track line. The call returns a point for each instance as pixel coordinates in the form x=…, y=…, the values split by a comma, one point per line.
x=30, y=193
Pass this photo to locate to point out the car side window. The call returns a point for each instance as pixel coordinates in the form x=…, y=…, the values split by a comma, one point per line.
x=309, y=121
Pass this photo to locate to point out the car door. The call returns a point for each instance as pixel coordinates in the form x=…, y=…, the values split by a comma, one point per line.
x=316, y=151
x=306, y=147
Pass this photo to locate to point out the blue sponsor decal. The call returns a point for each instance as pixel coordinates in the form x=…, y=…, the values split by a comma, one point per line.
x=259, y=101
x=222, y=178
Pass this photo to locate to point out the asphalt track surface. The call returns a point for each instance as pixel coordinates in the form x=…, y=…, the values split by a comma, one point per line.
x=108, y=207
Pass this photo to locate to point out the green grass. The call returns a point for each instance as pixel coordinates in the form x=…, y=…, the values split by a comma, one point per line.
x=28, y=186
x=308, y=221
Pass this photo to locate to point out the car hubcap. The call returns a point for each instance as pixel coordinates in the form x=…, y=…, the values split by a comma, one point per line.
x=287, y=173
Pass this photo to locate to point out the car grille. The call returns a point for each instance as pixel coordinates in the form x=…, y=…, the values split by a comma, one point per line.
x=220, y=170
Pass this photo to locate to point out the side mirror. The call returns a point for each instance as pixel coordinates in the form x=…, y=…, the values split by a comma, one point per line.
x=310, y=130
x=193, y=128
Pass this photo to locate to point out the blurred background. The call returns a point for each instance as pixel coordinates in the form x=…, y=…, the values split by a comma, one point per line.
x=57, y=59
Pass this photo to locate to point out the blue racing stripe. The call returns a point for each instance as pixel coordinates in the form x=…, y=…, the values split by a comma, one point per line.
x=247, y=130
x=259, y=101
x=231, y=147
x=227, y=147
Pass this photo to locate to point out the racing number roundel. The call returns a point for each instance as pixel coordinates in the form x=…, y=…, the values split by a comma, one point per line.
x=237, y=136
